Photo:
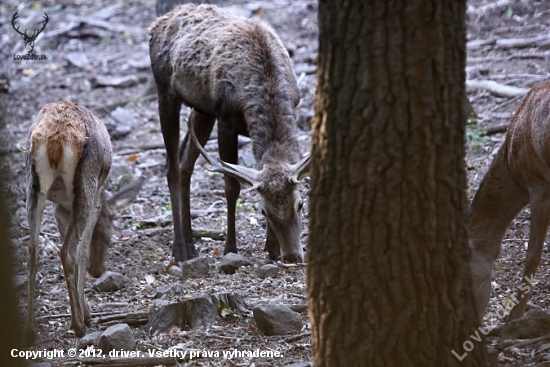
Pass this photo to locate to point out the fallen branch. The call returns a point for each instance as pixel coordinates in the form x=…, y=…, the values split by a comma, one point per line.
x=495, y=129
x=294, y=338
x=508, y=344
x=133, y=361
x=138, y=318
x=537, y=41
x=495, y=88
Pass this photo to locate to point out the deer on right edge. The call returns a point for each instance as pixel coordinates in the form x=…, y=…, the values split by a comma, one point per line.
x=519, y=175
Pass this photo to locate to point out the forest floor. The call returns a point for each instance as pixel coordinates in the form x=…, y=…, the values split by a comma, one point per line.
x=97, y=55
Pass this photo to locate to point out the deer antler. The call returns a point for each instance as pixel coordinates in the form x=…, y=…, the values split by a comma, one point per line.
x=243, y=174
x=13, y=20
x=35, y=33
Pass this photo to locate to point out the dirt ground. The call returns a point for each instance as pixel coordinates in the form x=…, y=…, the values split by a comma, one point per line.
x=89, y=47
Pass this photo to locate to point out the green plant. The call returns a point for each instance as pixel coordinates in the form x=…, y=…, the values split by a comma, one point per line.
x=475, y=137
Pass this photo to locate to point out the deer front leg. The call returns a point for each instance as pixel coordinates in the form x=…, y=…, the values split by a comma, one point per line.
x=169, y=111
x=202, y=125
x=228, y=147
x=272, y=244
x=540, y=218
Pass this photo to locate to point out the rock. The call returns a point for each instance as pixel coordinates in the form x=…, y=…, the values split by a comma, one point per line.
x=114, y=81
x=232, y=301
x=533, y=324
x=89, y=339
x=231, y=262
x=175, y=271
x=193, y=313
x=166, y=317
x=268, y=270
x=276, y=319
x=78, y=59
x=200, y=311
x=20, y=282
x=117, y=337
x=167, y=290
x=110, y=281
x=300, y=364
x=298, y=307
x=156, y=305
x=40, y=364
x=195, y=268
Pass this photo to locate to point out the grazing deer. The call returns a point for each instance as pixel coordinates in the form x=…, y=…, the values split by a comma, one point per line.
x=238, y=72
x=519, y=175
x=68, y=163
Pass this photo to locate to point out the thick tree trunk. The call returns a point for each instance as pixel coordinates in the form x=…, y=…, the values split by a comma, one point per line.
x=10, y=325
x=388, y=278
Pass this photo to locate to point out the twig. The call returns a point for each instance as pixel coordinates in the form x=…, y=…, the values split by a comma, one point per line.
x=496, y=88
x=132, y=361
x=515, y=344
x=496, y=129
x=293, y=338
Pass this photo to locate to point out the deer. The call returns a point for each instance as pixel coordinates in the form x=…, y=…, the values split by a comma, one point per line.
x=519, y=175
x=238, y=72
x=29, y=39
x=68, y=163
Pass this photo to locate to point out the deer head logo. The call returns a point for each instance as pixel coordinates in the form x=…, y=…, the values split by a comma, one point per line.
x=29, y=39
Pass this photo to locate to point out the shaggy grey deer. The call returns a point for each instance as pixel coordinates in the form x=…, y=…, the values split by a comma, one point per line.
x=519, y=175
x=238, y=72
x=68, y=163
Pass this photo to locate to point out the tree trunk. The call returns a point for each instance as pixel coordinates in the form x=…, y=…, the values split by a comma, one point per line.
x=10, y=324
x=388, y=275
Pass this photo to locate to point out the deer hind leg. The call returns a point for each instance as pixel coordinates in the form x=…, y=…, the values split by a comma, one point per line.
x=75, y=250
x=202, y=125
x=540, y=218
x=36, y=201
x=228, y=147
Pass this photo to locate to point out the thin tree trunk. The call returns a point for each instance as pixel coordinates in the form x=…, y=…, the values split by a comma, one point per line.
x=388, y=275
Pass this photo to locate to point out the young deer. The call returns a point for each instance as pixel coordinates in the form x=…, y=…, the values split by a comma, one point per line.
x=238, y=72
x=519, y=175
x=68, y=163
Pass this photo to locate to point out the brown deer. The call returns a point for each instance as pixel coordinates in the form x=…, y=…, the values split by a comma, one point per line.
x=238, y=72
x=519, y=175
x=68, y=163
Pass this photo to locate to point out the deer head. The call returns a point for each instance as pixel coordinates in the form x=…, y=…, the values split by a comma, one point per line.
x=29, y=39
x=281, y=202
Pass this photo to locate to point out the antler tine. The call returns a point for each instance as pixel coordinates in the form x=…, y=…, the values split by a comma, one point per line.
x=242, y=174
x=13, y=21
x=44, y=22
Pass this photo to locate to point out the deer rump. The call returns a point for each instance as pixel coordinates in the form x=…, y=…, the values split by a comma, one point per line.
x=238, y=72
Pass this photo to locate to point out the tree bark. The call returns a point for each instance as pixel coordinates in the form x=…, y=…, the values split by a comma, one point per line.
x=388, y=274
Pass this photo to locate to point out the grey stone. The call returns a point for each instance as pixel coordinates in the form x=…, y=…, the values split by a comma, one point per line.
x=20, y=282
x=231, y=262
x=191, y=313
x=89, y=339
x=195, y=268
x=268, y=270
x=300, y=364
x=167, y=290
x=109, y=282
x=276, y=319
x=118, y=337
x=533, y=324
